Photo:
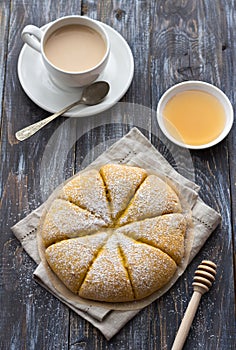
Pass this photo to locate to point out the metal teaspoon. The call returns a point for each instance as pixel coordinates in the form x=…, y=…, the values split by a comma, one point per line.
x=92, y=95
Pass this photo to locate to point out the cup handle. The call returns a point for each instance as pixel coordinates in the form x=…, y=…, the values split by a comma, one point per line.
x=32, y=36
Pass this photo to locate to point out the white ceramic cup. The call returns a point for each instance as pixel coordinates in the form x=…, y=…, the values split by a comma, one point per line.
x=36, y=38
x=202, y=86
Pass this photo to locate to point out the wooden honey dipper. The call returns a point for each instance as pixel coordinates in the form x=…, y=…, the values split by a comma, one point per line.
x=204, y=276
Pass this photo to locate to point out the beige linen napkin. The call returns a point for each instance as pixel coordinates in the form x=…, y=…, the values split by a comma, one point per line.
x=133, y=149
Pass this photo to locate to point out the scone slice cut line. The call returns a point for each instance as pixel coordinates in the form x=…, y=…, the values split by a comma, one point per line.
x=107, y=279
x=87, y=190
x=121, y=182
x=65, y=220
x=71, y=259
x=166, y=232
x=154, y=274
x=153, y=198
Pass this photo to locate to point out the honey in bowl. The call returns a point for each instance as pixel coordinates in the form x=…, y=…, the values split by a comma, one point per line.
x=194, y=117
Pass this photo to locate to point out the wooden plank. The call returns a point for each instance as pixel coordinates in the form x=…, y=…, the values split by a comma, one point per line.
x=33, y=318
x=228, y=56
x=192, y=45
x=4, y=27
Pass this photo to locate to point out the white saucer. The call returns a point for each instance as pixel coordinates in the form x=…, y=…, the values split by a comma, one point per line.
x=38, y=85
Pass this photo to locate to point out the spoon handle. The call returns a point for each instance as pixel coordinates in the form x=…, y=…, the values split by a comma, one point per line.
x=30, y=130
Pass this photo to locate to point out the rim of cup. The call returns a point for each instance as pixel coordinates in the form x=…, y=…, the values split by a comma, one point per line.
x=202, y=86
x=86, y=20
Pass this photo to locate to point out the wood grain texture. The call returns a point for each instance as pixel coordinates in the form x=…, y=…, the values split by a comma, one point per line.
x=4, y=18
x=171, y=42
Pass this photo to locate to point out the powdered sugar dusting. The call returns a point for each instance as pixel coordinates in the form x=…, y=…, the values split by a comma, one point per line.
x=166, y=232
x=149, y=268
x=107, y=279
x=116, y=257
x=66, y=220
x=65, y=261
x=153, y=198
x=87, y=191
x=121, y=183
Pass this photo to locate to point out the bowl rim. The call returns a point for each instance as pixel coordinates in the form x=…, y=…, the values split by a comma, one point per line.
x=203, y=86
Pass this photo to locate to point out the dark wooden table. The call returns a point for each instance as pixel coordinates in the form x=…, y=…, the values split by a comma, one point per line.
x=171, y=41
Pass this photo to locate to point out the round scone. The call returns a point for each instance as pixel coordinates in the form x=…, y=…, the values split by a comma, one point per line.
x=116, y=234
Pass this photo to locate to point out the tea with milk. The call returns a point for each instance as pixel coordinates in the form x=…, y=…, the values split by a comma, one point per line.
x=75, y=48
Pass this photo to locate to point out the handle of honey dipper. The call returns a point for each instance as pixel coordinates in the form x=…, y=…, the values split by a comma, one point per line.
x=187, y=321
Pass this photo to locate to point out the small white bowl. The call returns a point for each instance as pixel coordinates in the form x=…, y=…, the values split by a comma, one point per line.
x=196, y=85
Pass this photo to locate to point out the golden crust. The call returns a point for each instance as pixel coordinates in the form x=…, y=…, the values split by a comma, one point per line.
x=153, y=198
x=121, y=182
x=108, y=279
x=67, y=220
x=149, y=268
x=64, y=260
x=87, y=191
x=118, y=257
x=166, y=232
